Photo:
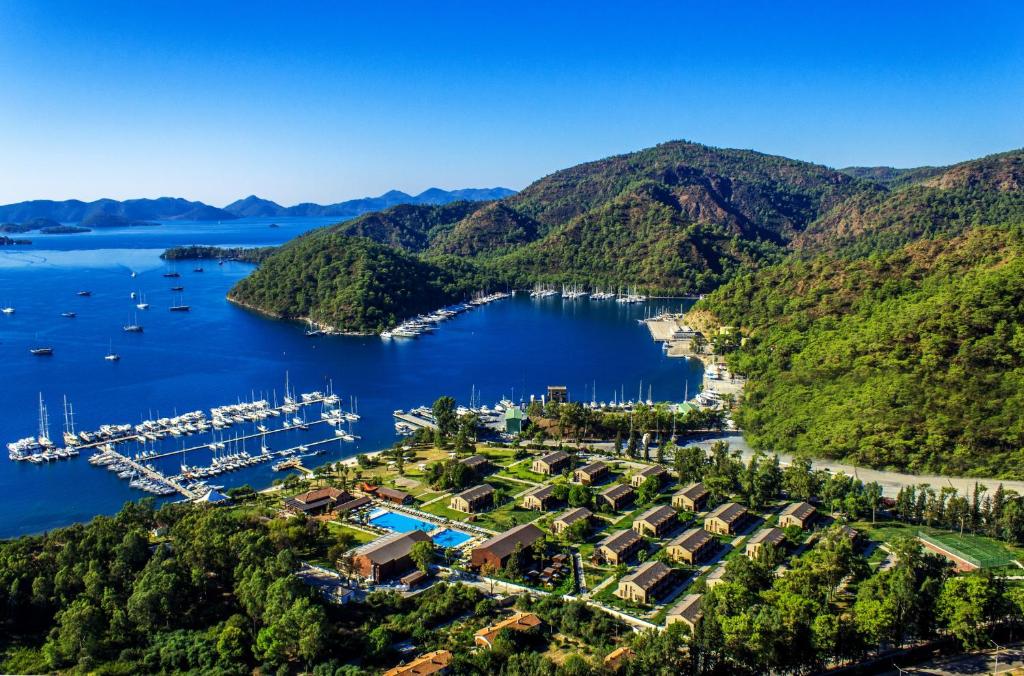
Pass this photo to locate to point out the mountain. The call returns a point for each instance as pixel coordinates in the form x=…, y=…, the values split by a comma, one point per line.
x=76, y=211
x=893, y=335
x=253, y=206
x=983, y=191
x=892, y=177
x=679, y=217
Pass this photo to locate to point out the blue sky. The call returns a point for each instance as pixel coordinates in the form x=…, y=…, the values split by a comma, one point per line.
x=308, y=101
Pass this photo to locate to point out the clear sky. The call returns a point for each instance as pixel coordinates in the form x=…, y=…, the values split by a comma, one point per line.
x=306, y=101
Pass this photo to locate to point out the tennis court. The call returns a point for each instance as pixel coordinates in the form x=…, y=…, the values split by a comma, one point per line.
x=977, y=550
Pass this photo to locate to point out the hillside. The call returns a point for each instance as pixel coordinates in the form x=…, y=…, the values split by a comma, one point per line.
x=676, y=218
x=989, y=190
x=351, y=284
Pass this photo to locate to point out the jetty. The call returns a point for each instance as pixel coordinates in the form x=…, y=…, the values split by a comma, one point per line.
x=414, y=421
x=156, y=476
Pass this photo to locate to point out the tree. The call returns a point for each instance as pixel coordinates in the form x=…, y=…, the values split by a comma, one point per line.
x=799, y=480
x=580, y=495
x=648, y=490
x=444, y=416
x=422, y=553
x=966, y=606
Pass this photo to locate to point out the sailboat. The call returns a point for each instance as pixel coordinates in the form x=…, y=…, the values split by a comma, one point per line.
x=7, y=310
x=133, y=327
x=111, y=355
x=180, y=307
x=142, y=304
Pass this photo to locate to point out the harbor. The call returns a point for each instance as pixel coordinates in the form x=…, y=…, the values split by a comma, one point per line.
x=131, y=451
x=425, y=323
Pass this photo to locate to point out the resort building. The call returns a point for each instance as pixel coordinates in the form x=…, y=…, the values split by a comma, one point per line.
x=656, y=471
x=518, y=622
x=316, y=502
x=552, y=463
x=355, y=503
x=617, y=658
x=656, y=521
x=686, y=611
x=691, y=498
x=764, y=537
x=591, y=474
x=725, y=519
x=646, y=583
x=388, y=556
x=477, y=463
x=393, y=495
x=692, y=547
x=514, y=418
x=496, y=551
x=568, y=518
x=475, y=499
x=558, y=393
x=616, y=496
x=715, y=577
x=618, y=547
x=436, y=662
x=540, y=498
x=799, y=514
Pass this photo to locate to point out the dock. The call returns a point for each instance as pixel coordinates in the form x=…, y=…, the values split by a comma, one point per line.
x=415, y=421
x=156, y=476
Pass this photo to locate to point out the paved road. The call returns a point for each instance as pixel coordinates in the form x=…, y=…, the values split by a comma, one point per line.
x=1011, y=661
x=891, y=482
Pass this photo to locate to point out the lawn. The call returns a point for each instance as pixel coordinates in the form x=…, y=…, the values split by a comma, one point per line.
x=440, y=508
x=521, y=470
x=361, y=537
x=507, y=516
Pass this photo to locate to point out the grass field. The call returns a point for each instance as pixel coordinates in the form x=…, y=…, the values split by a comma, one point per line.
x=978, y=549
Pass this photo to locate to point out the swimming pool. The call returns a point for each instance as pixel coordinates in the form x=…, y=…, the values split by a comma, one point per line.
x=450, y=538
x=400, y=523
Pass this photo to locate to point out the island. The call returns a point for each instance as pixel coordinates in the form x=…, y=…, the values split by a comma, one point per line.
x=63, y=230
x=10, y=241
x=200, y=252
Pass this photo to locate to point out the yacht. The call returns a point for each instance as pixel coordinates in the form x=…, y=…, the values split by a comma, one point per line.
x=7, y=310
x=197, y=269
x=69, y=315
x=180, y=308
x=132, y=328
x=177, y=288
x=85, y=293
x=41, y=351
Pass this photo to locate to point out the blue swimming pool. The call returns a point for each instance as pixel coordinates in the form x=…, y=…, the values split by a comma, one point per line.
x=400, y=523
x=450, y=538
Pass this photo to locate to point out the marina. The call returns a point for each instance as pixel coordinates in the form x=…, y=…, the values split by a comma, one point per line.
x=205, y=358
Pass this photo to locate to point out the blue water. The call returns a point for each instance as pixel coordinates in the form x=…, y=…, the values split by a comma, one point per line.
x=400, y=523
x=218, y=353
x=450, y=538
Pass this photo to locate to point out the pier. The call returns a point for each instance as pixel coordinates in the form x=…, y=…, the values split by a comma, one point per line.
x=156, y=476
x=414, y=420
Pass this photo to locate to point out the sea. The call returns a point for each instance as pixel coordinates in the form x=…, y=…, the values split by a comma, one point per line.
x=219, y=354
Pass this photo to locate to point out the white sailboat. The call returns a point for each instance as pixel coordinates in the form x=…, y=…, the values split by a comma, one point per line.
x=111, y=355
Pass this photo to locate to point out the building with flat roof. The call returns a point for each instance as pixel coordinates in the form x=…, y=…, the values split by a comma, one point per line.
x=551, y=463
x=475, y=499
x=514, y=418
x=692, y=547
x=692, y=498
x=656, y=521
x=569, y=517
x=764, y=537
x=616, y=496
x=646, y=583
x=799, y=514
x=518, y=622
x=388, y=556
x=559, y=393
x=618, y=547
x=725, y=519
x=540, y=498
x=495, y=552
x=595, y=472
x=686, y=611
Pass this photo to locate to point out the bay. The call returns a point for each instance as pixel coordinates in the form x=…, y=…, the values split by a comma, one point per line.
x=218, y=353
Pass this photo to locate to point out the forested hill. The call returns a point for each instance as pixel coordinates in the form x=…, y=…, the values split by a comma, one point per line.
x=676, y=218
x=903, y=344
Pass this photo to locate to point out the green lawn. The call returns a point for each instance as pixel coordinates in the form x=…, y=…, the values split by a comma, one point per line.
x=361, y=537
x=505, y=517
x=440, y=508
x=521, y=470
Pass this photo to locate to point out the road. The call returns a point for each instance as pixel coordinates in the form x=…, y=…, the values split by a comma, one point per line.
x=891, y=482
x=1011, y=661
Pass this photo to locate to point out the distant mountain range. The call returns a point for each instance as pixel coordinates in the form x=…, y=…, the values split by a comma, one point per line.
x=110, y=213
x=254, y=206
